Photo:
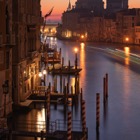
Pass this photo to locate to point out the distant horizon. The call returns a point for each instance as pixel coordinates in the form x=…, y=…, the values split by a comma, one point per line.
x=61, y=6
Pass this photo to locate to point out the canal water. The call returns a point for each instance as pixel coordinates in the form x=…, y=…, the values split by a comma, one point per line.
x=119, y=120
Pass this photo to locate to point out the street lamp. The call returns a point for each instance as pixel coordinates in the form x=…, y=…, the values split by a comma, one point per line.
x=76, y=50
x=44, y=73
x=127, y=40
x=40, y=75
x=5, y=87
x=82, y=36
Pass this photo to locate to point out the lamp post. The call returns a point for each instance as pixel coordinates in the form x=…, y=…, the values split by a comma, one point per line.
x=5, y=87
x=40, y=75
x=127, y=40
x=44, y=73
x=76, y=50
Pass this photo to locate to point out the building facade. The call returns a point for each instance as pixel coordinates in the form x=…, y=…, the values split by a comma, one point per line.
x=26, y=57
x=118, y=23
x=126, y=24
x=7, y=42
x=137, y=34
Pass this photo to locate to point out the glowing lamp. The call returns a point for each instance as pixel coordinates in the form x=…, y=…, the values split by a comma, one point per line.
x=40, y=74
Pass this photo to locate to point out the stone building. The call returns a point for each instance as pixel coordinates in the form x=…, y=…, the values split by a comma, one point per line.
x=126, y=23
x=26, y=57
x=118, y=23
x=7, y=42
x=137, y=34
x=79, y=22
x=109, y=28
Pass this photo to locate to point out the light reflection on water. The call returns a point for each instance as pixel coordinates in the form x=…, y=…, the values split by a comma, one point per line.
x=127, y=54
x=119, y=120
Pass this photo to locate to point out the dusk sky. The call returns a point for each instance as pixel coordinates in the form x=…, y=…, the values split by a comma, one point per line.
x=61, y=5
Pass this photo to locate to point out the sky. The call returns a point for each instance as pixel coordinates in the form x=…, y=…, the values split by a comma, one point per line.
x=61, y=5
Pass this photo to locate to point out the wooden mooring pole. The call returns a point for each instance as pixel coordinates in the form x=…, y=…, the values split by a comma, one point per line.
x=81, y=99
x=97, y=111
x=60, y=53
x=104, y=90
x=69, y=126
x=106, y=77
x=83, y=117
x=60, y=82
x=62, y=62
x=63, y=85
x=48, y=108
x=42, y=135
x=69, y=66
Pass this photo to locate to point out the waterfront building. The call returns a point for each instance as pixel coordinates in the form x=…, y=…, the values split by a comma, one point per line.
x=7, y=41
x=72, y=22
x=26, y=57
x=49, y=29
x=81, y=17
x=126, y=23
x=109, y=28
x=98, y=29
x=137, y=34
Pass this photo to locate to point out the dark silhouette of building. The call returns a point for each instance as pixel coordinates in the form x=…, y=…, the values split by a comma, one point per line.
x=116, y=5
x=97, y=6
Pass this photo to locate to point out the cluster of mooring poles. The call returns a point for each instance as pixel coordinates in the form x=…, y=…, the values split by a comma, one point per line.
x=66, y=91
x=105, y=97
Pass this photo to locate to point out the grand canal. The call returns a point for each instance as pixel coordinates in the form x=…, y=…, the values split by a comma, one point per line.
x=120, y=119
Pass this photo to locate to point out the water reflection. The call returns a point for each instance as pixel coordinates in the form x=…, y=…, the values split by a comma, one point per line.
x=120, y=117
x=127, y=54
x=126, y=85
x=41, y=119
x=82, y=62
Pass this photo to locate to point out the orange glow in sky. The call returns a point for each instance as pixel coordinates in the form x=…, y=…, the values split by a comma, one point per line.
x=61, y=5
